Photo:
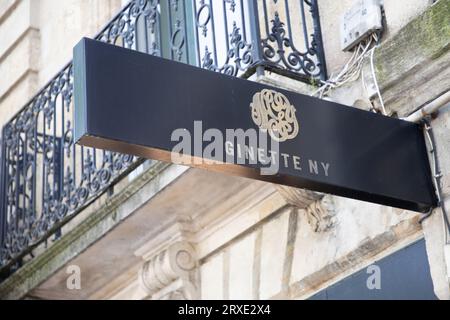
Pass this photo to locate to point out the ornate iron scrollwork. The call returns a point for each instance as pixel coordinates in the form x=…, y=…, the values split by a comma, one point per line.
x=275, y=51
x=238, y=58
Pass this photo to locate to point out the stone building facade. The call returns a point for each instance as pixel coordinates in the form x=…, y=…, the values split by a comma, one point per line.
x=165, y=231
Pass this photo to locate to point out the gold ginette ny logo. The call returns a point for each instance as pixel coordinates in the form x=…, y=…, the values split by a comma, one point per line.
x=272, y=112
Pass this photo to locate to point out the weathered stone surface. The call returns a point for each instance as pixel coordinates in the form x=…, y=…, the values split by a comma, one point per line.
x=272, y=251
x=211, y=274
x=22, y=92
x=23, y=58
x=412, y=67
x=6, y=7
x=241, y=262
x=17, y=23
x=434, y=229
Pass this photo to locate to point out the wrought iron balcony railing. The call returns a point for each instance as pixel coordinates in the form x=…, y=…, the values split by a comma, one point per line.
x=46, y=179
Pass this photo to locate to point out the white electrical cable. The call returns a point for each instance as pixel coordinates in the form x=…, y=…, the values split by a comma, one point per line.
x=364, y=85
x=351, y=70
x=374, y=76
x=333, y=82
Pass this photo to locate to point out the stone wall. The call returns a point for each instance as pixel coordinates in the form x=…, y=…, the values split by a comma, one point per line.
x=286, y=258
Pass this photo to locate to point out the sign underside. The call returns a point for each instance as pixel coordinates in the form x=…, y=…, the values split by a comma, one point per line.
x=130, y=102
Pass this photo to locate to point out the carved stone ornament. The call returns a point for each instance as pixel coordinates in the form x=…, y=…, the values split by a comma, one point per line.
x=321, y=214
x=176, y=263
x=319, y=209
